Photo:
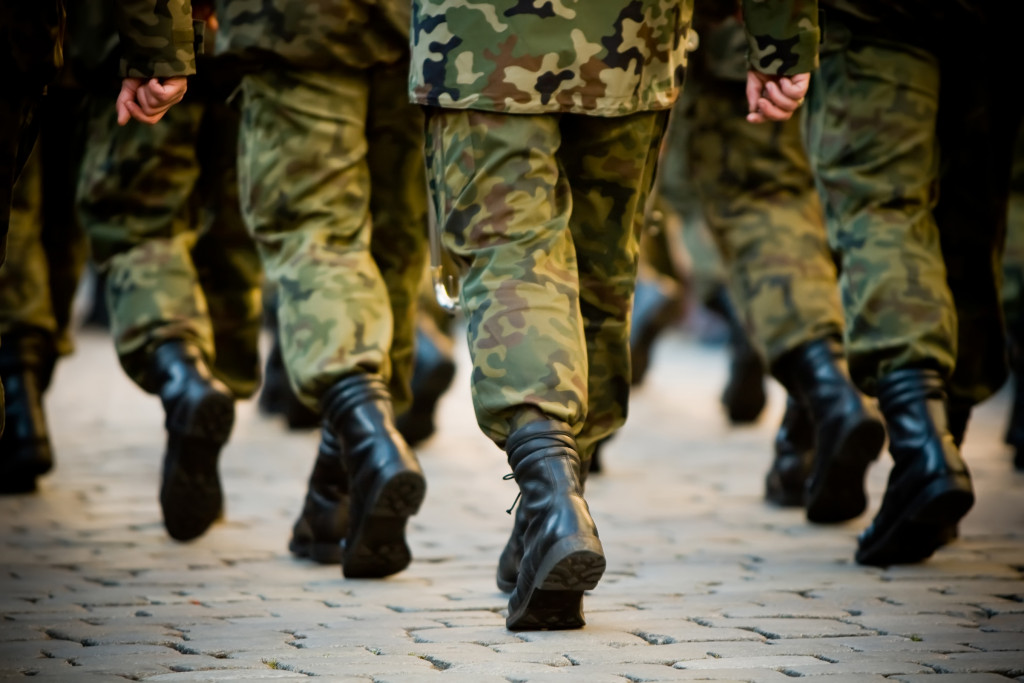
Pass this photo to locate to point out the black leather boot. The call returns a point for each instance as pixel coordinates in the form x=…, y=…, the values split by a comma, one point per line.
x=512, y=553
x=562, y=554
x=794, y=454
x=432, y=374
x=386, y=484
x=929, y=488
x=744, y=394
x=277, y=396
x=848, y=434
x=200, y=413
x=26, y=365
x=320, y=528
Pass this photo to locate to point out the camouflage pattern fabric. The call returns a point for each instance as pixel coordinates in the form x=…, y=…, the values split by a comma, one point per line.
x=760, y=203
x=602, y=59
x=332, y=182
x=899, y=310
x=545, y=214
x=919, y=245
x=321, y=34
x=159, y=204
x=511, y=56
x=158, y=38
x=47, y=247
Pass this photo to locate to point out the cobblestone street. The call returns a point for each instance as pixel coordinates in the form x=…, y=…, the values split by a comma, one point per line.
x=704, y=580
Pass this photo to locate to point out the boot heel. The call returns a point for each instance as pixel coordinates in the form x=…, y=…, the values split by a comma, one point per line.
x=572, y=564
x=836, y=493
x=553, y=610
x=555, y=600
x=378, y=547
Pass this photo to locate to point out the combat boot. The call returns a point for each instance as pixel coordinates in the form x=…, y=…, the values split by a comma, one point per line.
x=26, y=365
x=318, y=532
x=385, y=483
x=794, y=455
x=200, y=413
x=848, y=433
x=512, y=553
x=929, y=487
x=432, y=374
x=562, y=555
x=743, y=396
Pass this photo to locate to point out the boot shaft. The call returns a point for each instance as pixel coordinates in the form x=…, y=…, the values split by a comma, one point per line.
x=913, y=402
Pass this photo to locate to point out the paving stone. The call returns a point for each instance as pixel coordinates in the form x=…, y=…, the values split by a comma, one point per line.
x=446, y=677
x=240, y=675
x=995, y=641
x=791, y=628
x=767, y=662
x=820, y=647
x=747, y=675
x=1006, y=663
x=852, y=678
x=952, y=678
x=642, y=654
x=856, y=664
x=462, y=634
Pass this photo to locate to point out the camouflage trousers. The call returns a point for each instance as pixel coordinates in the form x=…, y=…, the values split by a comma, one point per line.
x=333, y=190
x=160, y=206
x=759, y=201
x=914, y=259
x=544, y=213
x=47, y=247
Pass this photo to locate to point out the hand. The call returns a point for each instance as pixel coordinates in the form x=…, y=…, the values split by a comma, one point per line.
x=774, y=98
x=148, y=101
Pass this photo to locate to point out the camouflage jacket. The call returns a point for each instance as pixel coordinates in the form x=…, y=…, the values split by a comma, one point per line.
x=157, y=37
x=314, y=34
x=596, y=57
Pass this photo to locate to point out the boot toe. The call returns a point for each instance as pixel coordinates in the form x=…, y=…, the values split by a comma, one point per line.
x=910, y=529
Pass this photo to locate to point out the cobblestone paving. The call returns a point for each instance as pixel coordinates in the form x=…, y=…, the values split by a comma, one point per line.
x=704, y=580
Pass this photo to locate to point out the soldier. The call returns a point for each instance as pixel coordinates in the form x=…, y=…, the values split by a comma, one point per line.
x=158, y=40
x=543, y=209
x=47, y=252
x=160, y=206
x=331, y=174
x=759, y=200
x=917, y=258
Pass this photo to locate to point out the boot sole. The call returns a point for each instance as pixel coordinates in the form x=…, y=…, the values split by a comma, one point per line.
x=928, y=523
x=377, y=548
x=554, y=599
x=837, y=493
x=321, y=553
x=190, y=492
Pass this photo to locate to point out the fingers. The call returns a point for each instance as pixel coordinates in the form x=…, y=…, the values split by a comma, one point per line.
x=129, y=86
x=780, y=100
x=755, y=84
x=139, y=115
x=774, y=98
x=796, y=87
